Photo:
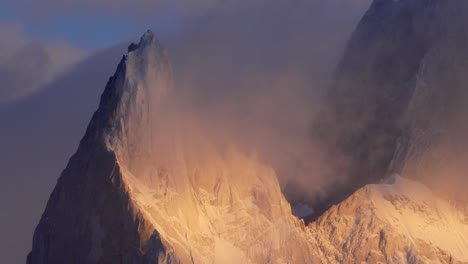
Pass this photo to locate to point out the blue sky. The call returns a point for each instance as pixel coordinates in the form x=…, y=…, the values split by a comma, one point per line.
x=88, y=31
x=91, y=29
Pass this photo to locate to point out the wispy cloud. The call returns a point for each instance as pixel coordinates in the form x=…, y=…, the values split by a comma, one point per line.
x=27, y=64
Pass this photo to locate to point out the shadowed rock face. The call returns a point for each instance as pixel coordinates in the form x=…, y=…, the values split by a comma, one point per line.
x=380, y=94
x=90, y=217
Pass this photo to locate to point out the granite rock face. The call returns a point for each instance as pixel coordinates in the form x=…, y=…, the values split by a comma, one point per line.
x=398, y=92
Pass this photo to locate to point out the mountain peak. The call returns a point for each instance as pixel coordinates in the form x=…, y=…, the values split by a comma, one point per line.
x=141, y=84
x=148, y=35
x=142, y=79
x=148, y=39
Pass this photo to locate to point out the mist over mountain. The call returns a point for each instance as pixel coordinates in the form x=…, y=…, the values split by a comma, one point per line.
x=375, y=168
x=157, y=189
x=396, y=103
x=253, y=76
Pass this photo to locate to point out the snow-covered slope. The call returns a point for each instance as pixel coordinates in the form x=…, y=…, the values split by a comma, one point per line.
x=210, y=205
x=400, y=221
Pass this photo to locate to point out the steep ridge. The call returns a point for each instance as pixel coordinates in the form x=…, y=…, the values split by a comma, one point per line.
x=144, y=187
x=90, y=216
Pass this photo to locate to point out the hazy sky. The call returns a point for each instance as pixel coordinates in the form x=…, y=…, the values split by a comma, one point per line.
x=56, y=56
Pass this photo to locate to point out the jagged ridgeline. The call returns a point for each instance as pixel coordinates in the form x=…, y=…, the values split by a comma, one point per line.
x=148, y=185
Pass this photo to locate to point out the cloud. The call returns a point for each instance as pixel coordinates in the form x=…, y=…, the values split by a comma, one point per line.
x=27, y=64
x=256, y=69
x=187, y=6
x=260, y=70
x=181, y=8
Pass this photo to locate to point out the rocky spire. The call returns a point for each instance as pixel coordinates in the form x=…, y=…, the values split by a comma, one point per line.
x=90, y=216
